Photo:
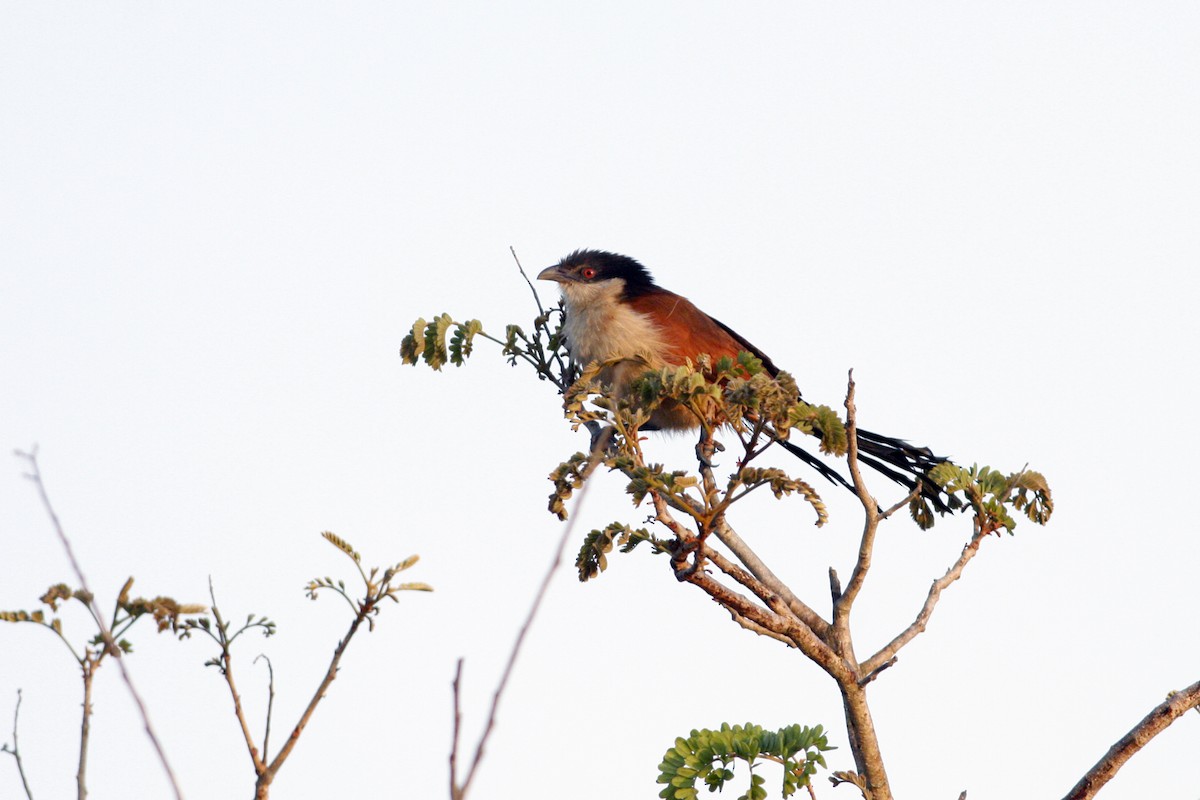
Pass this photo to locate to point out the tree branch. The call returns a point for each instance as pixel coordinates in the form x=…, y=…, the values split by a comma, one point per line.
x=841, y=609
x=744, y=553
x=459, y=791
x=784, y=624
x=15, y=750
x=1153, y=724
x=889, y=650
x=270, y=700
x=226, y=657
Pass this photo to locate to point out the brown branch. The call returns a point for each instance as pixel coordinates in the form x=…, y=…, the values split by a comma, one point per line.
x=913, y=495
x=918, y=625
x=730, y=538
x=85, y=727
x=763, y=592
x=1153, y=724
x=459, y=791
x=841, y=610
x=521, y=269
x=15, y=750
x=784, y=624
x=226, y=656
x=35, y=475
x=270, y=700
x=736, y=544
x=754, y=627
x=873, y=674
x=864, y=743
x=268, y=775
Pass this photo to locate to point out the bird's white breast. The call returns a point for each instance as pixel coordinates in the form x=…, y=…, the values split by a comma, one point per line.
x=600, y=327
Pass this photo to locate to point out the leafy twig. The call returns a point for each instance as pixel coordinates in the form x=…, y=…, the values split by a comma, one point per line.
x=35, y=475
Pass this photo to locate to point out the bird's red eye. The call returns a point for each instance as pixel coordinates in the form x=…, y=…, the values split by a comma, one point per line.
x=588, y=273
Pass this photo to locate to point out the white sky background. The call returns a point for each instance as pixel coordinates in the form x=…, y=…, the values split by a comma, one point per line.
x=219, y=220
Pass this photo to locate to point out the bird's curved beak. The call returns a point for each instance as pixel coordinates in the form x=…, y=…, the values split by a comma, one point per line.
x=554, y=273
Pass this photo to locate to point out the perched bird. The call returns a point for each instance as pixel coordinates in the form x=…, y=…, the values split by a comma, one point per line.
x=615, y=310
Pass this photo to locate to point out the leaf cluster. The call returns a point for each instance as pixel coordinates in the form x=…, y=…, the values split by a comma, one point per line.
x=378, y=587
x=426, y=341
x=167, y=613
x=592, y=558
x=443, y=340
x=706, y=755
x=989, y=492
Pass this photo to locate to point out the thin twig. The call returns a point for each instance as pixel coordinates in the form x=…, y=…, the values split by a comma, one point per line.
x=922, y=620
x=36, y=476
x=459, y=791
x=913, y=495
x=536, y=299
x=85, y=727
x=330, y=675
x=761, y=630
x=258, y=760
x=1151, y=725
x=891, y=662
x=270, y=700
x=15, y=750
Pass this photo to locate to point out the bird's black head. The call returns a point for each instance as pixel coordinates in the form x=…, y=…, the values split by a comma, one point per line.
x=597, y=266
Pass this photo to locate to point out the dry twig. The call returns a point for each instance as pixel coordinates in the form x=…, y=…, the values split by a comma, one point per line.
x=15, y=750
x=458, y=791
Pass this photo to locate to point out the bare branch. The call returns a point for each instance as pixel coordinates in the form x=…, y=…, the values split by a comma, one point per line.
x=331, y=673
x=85, y=727
x=754, y=627
x=913, y=495
x=1153, y=724
x=15, y=750
x=536, y=299
x=35, y=475
x=459, y=791
x=270, y=700
x=891, y=662
x=226, y=657
x=841, y=611
x=730, y=538
x=778, y=618
x=935, y=591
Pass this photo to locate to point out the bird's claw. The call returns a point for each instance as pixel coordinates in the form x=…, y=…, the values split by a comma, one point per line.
x=705, y=450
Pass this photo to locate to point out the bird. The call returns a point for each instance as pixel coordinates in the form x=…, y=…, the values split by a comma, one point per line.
x=615, y=312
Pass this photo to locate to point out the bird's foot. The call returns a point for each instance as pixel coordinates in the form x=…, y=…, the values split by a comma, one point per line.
x=705, y=451
x=603, y=438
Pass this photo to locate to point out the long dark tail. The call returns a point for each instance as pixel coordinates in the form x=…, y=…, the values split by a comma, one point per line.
x=906, y=464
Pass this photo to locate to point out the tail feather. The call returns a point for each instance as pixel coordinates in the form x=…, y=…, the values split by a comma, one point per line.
x=828, y=472
x=904, y=463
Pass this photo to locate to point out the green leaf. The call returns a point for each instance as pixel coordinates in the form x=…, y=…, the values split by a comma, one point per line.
x=461, y=342
x=414, y=343
x=435, y=354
